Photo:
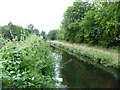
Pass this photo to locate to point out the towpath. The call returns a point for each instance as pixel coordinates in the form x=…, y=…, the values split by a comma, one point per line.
x=113, y=53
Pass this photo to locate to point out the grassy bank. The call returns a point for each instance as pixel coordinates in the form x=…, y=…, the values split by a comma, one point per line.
x=95, y=55
x=27, y=64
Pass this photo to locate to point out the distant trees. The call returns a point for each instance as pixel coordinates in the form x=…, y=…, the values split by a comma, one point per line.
x=56, y=35
x=30, y=26
x=43, y=35
x=33, y=30
x=95, y=24
x=12, y=31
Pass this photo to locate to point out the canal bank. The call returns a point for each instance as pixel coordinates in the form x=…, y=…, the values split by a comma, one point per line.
x=107, y=59
x=78, y=74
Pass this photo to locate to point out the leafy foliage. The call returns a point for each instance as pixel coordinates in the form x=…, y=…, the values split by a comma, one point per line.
x=11, y=32
x=56, y=35
x=27, y=64
x=94, y=24
x=73, y=15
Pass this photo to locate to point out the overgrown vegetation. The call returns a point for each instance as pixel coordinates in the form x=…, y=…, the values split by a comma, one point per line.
x=27, y=64
x=55, y=35
x=26, y=60
x=12, y=31
x=94, y=24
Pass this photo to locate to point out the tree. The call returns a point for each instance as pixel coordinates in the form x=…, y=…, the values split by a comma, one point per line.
x=11, y=32
x=94, y=24
x=56, y=35
x=30, y=26
x=73, y=15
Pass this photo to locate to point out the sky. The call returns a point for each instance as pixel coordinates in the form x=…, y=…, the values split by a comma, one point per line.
x=43, y=14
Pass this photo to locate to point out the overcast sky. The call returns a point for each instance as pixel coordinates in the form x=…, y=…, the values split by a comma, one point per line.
x=43, y=14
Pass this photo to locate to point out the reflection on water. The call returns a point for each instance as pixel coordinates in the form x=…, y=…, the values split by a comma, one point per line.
x=77, y=74
x=58, y=67
x=58, y=59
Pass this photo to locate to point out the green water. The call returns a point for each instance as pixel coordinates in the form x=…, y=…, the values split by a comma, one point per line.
x=78, y=74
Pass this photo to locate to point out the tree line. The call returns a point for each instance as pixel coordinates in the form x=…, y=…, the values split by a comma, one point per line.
x=92, y=23
x=56, y=34
x=12, y=31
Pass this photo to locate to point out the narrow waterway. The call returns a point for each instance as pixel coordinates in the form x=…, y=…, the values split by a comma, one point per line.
x=73, y=73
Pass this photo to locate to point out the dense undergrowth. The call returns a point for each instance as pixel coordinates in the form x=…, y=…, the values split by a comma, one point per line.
x=27, y=64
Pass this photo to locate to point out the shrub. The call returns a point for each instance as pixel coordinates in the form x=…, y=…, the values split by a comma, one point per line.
x=27, y=64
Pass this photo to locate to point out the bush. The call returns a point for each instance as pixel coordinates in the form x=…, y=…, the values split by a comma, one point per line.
x=27, y=64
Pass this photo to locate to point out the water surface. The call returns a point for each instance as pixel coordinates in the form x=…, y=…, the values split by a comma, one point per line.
x=78, y=74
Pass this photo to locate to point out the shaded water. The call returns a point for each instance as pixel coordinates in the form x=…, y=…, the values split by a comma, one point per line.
x=78, y=74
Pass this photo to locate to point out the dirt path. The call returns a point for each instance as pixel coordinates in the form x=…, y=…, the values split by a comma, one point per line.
x=85, y=47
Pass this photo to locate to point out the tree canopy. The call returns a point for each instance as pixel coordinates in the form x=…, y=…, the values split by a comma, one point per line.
x=12, y=31
x=56, y=35
x=96, y=24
